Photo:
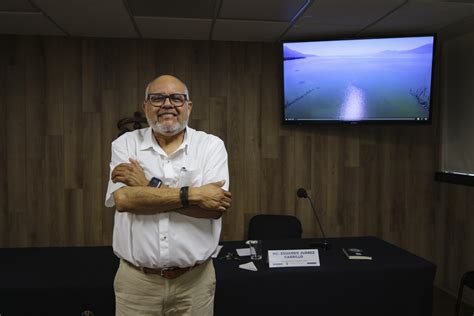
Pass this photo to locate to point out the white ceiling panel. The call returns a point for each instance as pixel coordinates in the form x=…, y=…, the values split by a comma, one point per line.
x=94, y=18
x=262, y=10
x=318, y=31
x=348, y=12
x=422, y=17
x=234, y=30
x=174, y=28
x=27, y=23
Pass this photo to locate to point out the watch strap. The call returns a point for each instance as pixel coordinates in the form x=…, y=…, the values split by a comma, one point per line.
x=184, y=196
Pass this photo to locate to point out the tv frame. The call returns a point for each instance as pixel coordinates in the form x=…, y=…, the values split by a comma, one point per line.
x=361, y=122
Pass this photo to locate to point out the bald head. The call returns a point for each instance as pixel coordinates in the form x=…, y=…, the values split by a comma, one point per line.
x=167, y=80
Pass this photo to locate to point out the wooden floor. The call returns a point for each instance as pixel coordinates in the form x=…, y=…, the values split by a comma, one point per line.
x=444, y=304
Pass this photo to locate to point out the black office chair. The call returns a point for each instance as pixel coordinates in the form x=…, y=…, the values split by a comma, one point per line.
x=137, y=121
x=274, y=227
x=466, y=280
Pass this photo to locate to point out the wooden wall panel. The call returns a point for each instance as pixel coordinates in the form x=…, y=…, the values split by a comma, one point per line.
x=200, y=82
x=73, y=117
x=60, y=100
x=218, y=117
x=94, y=189
x=36, y=124
x=454, y=236
x=16, y=138
x=93, y=63
x=146, y=65
x=54, y=68
x=236, y=140
x=74, y=204
x=127, y=68
x=54, y=210
x=108, y=126
x=6, y=53
x=251, y=160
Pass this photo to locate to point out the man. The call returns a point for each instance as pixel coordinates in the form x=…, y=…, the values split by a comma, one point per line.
x=169, y=184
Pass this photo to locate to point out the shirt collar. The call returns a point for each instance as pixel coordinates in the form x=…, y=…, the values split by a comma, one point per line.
x=149, y=140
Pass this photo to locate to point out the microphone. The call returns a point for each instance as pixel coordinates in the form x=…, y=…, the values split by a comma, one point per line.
x=301, y=193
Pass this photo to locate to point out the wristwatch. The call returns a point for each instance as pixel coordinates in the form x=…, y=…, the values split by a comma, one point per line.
x=184, y=196
x=155, y=183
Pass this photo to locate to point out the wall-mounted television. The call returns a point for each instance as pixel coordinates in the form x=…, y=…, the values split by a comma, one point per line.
x=385, y=79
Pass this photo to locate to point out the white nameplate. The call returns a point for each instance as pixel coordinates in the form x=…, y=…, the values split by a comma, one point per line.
x=293, y=258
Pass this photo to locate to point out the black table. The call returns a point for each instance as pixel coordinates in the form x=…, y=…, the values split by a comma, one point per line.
x=57, y=281
x=66, y=281
x=395, y=282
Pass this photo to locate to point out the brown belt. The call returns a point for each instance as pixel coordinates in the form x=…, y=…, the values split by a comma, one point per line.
x=167, y=273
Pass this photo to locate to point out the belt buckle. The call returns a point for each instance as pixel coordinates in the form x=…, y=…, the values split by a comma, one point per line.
x=163, y=270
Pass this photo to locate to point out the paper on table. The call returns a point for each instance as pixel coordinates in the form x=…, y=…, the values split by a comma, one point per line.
x=248, y=266
x=218, y=249
x=243, y=252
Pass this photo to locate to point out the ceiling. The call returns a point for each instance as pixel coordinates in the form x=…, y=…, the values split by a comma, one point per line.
x=232, y=20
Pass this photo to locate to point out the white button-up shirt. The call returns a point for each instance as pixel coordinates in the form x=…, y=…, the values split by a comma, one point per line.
x=168, y=239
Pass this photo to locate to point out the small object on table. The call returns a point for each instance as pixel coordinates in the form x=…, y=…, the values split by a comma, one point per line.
x=229, y=256
x=248, y=266
x=356, y=254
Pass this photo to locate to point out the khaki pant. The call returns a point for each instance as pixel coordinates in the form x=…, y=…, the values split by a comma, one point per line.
x=192, y=293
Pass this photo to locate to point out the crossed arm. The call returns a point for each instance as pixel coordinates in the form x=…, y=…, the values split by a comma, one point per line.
x=207, y=201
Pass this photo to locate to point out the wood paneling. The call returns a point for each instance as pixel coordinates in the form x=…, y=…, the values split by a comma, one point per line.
x=60, y=100
x=6, y=51
x=16, y=138
x=454, y=237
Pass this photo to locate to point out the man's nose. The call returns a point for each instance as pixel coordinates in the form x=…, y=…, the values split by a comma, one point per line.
x=168, y=100
x=167, y=103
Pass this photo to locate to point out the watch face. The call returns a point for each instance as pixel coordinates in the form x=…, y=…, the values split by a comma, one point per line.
x=155, y=182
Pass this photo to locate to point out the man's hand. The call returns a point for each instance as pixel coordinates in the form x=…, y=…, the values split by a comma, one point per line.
x=131, y=174
x=211, y=197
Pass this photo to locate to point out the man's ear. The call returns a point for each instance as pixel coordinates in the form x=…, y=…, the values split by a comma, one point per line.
x=190, y=106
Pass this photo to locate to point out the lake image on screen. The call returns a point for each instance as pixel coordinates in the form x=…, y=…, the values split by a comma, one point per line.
x=351, y=80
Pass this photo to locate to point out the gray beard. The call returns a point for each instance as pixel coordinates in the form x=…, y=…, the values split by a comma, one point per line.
x=168, y=130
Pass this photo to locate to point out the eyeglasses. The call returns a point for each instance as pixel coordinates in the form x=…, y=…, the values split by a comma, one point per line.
x=158, y=99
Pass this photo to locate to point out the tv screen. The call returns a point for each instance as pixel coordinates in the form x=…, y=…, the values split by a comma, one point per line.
x=358, y=80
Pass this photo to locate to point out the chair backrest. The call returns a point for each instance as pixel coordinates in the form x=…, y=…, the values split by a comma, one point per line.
x=137, y=121
x=466, y=280
x=274, y=227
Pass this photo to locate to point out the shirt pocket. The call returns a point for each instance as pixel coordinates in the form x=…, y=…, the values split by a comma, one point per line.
x=190, y=178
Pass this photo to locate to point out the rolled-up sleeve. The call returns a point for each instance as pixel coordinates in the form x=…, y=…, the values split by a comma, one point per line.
x=216, y=167
x=119, y=155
